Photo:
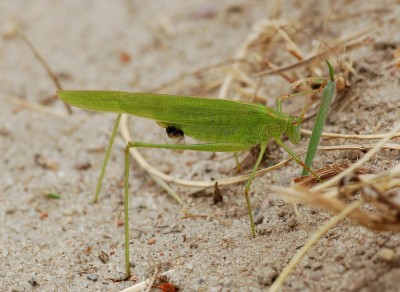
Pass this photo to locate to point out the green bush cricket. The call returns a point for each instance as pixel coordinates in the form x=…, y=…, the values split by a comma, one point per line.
x=224, y=125
x=227, y=126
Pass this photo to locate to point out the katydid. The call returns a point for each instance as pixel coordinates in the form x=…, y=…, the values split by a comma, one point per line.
x=223, y=125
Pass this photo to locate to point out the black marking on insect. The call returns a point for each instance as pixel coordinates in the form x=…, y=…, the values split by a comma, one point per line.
x=174, y=132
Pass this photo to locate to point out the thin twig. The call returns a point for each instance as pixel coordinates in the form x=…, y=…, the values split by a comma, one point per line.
x=324, y=54
x=46, y=66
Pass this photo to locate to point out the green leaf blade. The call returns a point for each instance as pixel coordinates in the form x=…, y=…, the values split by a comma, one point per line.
x=322, y=115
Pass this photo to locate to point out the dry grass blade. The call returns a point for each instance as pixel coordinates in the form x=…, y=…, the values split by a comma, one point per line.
x=326, y=173
x=375, y=216
x=379, y=190
x=351, y=136
x=377, y=206
x=359, y=163
x=150, y=283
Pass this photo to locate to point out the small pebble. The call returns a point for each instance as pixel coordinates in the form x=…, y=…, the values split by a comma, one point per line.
x=259, y=220
x=151, y=241
x=292, y=222
x=316, y=266
x=281, y=213
x=83, y=165
x=103, y=257
x=267, y=276
x=124, y=57
x=133, y=278
x=43, y=215
x=11, y=210
x=33, y=282
x=386, y=254
x=120, y=222
x=189, y=266
x=193, y=245
x=92, y=277
x=316, y=275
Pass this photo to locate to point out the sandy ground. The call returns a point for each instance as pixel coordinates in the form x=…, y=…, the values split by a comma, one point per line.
x=56, y=244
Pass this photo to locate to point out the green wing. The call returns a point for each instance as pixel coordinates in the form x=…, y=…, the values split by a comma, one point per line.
x=205, y=119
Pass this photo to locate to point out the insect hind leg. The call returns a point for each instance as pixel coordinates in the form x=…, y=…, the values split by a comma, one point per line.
x=212, y=147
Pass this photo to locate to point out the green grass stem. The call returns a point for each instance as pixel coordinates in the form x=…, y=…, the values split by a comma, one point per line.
x=326, y=100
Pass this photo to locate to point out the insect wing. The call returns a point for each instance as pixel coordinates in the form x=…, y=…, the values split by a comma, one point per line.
x=205, y=119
